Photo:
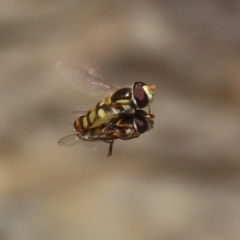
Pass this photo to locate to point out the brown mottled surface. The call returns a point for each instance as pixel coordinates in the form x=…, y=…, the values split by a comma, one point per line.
x=179, y=181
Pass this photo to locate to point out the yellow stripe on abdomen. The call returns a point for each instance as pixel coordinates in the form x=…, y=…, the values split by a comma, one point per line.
x=92, y=116
x=101, y=113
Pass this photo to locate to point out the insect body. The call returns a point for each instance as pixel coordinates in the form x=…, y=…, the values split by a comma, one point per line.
x=125, y=127
x=116, y=102
x=118, y=116
x=122, y=101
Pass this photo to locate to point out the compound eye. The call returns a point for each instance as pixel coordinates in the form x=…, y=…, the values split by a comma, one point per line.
x=140, y=95
x=141, y=124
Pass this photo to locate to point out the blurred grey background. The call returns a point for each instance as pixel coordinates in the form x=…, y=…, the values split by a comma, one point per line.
x=178, y=181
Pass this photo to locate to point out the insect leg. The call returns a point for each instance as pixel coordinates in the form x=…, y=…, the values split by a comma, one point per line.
x=110, y=146
x=149, y=109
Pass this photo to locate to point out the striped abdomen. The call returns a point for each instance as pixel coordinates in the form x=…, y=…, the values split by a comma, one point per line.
x=101, y=115
x=112, y=106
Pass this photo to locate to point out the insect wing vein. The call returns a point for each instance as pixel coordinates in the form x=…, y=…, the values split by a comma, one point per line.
x=69, y=140
x=85, y=80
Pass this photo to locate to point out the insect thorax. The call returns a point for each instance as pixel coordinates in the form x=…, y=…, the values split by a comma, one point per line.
x=122, y=96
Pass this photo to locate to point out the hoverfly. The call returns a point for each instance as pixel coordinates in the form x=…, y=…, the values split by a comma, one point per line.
x=117, y=116
x=126, y=127
x=117, y=101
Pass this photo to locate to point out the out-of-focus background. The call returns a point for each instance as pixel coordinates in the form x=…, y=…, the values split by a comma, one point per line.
x=180, y=180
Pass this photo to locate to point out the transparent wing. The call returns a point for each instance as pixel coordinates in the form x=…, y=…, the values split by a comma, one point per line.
x=69, y=141
x=73, y=139
x=85, y=80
